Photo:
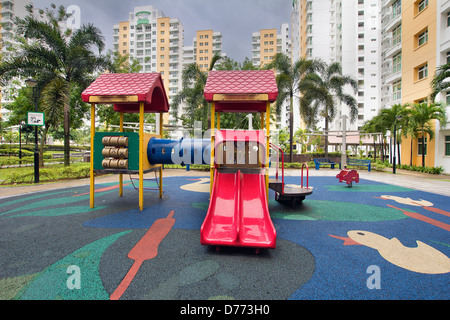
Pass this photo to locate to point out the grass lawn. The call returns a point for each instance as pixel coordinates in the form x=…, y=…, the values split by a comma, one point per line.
x=49, y=173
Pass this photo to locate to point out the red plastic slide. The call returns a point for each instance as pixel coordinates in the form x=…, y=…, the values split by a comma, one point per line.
x=238, y=214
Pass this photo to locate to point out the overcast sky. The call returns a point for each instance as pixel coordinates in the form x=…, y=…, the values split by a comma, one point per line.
x=236, y=19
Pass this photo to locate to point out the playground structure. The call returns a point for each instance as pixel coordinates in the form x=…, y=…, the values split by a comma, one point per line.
x=349, y=176
x=238, y=213
x=123, y=152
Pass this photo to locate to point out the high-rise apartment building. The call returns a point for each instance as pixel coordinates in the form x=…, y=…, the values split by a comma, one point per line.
x=266, y=43
x=347, y=32
x=156, y=41
x=205, y=45
x=417, y=41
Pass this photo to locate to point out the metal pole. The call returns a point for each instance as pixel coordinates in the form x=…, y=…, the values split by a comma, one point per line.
x=344, y=142
x=20, y=144
x=36, y=151
x=394, y=159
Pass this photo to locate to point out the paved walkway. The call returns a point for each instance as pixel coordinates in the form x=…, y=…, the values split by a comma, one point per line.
x=438, y=184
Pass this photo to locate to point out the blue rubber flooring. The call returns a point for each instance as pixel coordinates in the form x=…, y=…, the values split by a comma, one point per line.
x=372, y=241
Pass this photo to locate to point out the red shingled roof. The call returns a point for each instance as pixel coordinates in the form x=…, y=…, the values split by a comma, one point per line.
x=241, y=83
x=148, y=87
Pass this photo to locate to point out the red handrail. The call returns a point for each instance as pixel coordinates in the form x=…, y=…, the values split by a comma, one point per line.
x=307, y=175
x=282, y=165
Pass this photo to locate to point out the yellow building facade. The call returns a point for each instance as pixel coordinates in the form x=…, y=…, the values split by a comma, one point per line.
x=268, y=45
x=419, y=36
x=204, y=52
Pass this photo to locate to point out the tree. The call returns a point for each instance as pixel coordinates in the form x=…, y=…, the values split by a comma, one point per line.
x=53, y=99
x=410, y=128
x=423, y=114
x=377, y=125
x=289, y=80
x=391, y=119
x=120, y=63
x=193, y=85
x=332, y=81
x=50, y=51
x=440, y=82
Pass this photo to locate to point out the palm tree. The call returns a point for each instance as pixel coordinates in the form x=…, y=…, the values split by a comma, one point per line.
x=333, y=82
x=440, y=81
x=410, y=128
x=391, y=118
x=194, y=81
x=423, y=113
x=50, y=52
x=290, y=82
x=53, y=99
x=376, y=125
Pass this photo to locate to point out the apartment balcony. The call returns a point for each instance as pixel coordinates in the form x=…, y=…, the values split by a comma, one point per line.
x=393, y=50
x=392, y=22
x=393, y=77
x=445, y=6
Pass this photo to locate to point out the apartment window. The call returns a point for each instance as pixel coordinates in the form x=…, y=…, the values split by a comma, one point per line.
x=397, y=91
x=396, y=8
x=448, y=19
x=422, y=5
x=397, y=63
x=422, y=38
x=421, y=146
x=447, y=145
x=422, y=72
x=397, y=35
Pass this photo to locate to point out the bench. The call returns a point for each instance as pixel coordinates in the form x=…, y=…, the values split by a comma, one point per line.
x=323, y=162
x=359, y=163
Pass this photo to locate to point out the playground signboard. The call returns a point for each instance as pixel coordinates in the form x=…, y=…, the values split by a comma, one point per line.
x=36, y=119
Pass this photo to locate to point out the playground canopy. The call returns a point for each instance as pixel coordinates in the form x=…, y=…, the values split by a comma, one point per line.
x=127, y=90
x=241, y=91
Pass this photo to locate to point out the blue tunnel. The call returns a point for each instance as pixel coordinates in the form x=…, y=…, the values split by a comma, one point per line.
x=182, y=152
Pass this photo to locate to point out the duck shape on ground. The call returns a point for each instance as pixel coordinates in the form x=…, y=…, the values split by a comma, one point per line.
x=422, y=259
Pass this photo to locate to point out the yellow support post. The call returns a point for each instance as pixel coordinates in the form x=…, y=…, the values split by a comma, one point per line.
x=267, y=146
x=141, y=156
x=213, y=115
x=121, y=175
x=92, y=178
x=161, y=166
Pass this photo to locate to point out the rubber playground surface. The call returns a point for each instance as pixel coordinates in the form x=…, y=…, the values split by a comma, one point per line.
x=373, y=241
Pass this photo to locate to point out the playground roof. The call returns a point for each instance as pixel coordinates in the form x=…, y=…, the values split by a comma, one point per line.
x=241, y=91
x=127, y=90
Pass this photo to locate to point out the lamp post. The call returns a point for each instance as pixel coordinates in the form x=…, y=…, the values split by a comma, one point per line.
x=394, y=159
x=32, y=84
x=20, y=142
